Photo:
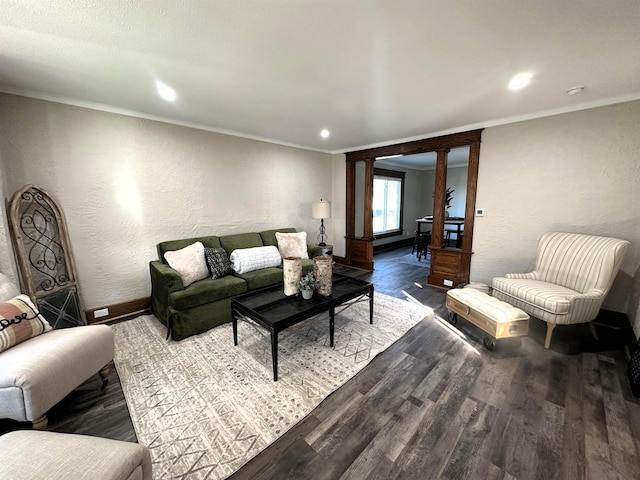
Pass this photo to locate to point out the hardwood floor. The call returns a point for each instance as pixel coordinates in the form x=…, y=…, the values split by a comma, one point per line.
x=436, y=404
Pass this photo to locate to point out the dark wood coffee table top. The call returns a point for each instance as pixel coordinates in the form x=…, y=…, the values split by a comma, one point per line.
x=273, y=310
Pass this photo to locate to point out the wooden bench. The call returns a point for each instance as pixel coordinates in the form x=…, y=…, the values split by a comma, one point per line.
x=495, y=317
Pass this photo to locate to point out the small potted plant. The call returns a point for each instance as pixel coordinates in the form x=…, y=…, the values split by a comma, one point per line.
x=307, y=285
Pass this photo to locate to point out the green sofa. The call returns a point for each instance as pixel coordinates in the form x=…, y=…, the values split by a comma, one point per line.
x=205, y=304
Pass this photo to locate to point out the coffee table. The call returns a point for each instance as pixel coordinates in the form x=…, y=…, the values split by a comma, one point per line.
x=272, y=309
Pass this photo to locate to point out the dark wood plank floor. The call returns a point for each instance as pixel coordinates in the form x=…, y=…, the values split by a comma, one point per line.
x=437, y=404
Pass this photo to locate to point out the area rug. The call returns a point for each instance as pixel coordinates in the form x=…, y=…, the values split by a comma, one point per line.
x=205, y=407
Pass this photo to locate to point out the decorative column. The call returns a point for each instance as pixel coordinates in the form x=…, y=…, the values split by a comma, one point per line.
x=322, y=271
x=292, y=271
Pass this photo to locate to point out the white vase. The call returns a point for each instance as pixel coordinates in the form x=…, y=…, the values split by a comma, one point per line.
x=322, y=271
x=307, y=294
x=292, y=271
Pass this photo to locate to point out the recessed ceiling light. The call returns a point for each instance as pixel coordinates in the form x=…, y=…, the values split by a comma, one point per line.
x=165, y=91
x=324, y=133
x=520, y=80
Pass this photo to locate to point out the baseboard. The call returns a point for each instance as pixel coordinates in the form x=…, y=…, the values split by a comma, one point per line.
x=118, y=311
x=407, y=242
x=340, y=260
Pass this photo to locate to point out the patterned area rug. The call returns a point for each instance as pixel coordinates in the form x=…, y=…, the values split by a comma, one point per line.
x=205, y=407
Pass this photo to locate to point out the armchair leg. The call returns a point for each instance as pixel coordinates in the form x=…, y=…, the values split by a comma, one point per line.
x=547, y=340
x=40, y=423
x=592, y=327
x=104, y=374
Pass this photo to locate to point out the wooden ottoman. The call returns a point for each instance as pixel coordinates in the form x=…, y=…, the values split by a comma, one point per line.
x=493, y=316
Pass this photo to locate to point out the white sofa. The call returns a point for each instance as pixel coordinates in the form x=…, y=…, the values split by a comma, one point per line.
x=38, y=373
x=571, y=279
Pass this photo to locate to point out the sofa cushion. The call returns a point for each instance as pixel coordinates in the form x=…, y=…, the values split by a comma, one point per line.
x=20, y=321
x=206, y=291
x=240, y=240
x=189, y=262
x=262, y=278
x=269, y=236
x=292, y=244
x=29, y=454
x=210, y=241
x=218, y=262
x=548, y=297
x=244, y=260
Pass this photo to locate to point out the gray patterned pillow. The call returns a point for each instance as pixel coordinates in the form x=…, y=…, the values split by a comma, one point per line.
x=218, y=262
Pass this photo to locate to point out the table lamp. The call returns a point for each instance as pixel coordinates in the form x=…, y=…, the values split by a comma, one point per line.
x=321, y=210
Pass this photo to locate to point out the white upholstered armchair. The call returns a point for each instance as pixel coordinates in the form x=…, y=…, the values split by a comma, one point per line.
x=572, y=277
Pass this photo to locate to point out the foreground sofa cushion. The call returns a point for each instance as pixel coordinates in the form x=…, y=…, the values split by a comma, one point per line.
x=20, y=321
x=28, y=455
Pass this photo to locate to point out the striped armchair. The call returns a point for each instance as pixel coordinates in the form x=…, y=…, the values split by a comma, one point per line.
x=572, y=277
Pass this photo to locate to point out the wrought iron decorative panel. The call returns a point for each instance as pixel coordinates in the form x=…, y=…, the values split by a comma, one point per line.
x=47, y=269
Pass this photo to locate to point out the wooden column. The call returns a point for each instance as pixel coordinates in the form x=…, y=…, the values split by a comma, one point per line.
x=360, y=249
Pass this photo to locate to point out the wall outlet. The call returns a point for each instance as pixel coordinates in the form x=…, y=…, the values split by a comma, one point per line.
x=103, y=312
x=448, y=283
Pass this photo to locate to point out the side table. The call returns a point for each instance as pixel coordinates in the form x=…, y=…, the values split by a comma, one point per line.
x=326, y=250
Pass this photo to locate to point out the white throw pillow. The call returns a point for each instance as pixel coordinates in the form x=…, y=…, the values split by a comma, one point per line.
x=189, y=262
x=292, y=244
x=244, y=260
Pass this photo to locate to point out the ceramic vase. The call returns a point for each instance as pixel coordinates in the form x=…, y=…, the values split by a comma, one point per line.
x=292, y=271
x=322, y=271
x=307, y=294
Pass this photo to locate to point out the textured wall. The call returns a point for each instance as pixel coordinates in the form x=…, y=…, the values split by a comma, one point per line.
x=7, y=262
x=576, y=172
x=126, y=184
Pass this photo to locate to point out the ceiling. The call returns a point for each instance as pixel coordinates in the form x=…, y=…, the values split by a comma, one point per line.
x=373, y=72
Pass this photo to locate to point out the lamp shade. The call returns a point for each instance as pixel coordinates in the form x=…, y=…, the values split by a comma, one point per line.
x=321, y=209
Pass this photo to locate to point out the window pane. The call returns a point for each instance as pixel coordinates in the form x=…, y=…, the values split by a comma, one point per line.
x=393, y=205
x=387, y=195
x=378, y=205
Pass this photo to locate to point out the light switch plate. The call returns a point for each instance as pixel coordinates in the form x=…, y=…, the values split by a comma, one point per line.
x=479, y=212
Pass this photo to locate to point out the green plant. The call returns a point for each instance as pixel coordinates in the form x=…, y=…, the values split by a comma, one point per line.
x=448, y=197
x=308, y=282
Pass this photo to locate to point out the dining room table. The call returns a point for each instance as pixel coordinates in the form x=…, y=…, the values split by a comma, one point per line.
x=457, y=222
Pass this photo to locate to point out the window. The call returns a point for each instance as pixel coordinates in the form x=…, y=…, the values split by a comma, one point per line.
x=388, y=195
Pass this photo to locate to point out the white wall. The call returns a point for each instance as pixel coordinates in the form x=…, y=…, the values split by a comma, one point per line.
x=126, y=184
x=576, y=172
